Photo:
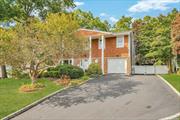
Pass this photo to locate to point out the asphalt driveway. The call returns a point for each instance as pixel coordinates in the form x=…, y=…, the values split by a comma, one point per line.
x=111, y=97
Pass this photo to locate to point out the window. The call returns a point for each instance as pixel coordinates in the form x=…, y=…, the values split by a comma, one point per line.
x=120, y=42
x=67, y=62
x=100, y=44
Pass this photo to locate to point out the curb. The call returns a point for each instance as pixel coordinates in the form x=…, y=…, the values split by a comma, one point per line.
x=171, y=117
x=177, y=93
x=24, y=109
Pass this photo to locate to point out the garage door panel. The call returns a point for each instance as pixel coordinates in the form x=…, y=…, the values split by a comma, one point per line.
x=116, y=65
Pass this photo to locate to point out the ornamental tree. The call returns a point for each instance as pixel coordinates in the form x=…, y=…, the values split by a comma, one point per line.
x=39, y=45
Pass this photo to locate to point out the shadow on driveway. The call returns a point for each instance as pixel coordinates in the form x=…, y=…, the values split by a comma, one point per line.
x=98, y=89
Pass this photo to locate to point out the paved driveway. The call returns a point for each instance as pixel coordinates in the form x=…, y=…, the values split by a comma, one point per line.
x=112, y=97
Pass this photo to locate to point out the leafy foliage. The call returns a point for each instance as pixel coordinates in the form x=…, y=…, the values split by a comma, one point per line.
x=88, y=21
x=123, y=24
x=175, y=27
x=37, y=44
x=153, y=39
x=21, y=10
x=94, y=70
x=73, y=72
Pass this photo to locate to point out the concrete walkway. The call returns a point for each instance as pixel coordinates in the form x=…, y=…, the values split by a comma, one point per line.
x=111, y=97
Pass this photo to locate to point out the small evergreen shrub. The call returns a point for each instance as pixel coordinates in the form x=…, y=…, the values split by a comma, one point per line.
x=73, y=72
x=94, y=70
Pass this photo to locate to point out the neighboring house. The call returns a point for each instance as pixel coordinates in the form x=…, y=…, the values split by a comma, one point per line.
x=112, y=51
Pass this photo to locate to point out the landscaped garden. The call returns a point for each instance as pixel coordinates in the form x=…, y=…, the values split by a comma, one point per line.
x=16, y=92
x=173, y=79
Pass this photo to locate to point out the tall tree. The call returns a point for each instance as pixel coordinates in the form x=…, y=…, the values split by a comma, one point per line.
x=175, y=34
x=123, y=24
x=153, y=40
x=87, y=20
x=20, y=10
x=5, y=45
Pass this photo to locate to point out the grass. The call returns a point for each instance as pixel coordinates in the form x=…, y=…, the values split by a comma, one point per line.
x=173, y=79
x=12, y=100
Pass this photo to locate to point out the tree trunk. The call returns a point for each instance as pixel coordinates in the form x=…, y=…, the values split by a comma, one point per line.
x=33, y=76
x=170, y=66
x=3, y=71
x=33, y=79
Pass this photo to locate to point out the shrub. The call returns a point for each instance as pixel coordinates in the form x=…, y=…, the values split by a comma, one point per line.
x=54, y=74
x=45, y=74
x=84, y=78
x=73, y=72
x=94, y=70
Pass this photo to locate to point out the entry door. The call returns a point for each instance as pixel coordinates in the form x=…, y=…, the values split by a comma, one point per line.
x=117, y=65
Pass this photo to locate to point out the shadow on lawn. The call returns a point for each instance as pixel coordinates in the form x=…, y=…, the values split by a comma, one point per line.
x=99, y=89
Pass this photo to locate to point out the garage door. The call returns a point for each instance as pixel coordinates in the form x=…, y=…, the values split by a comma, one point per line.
x=117, y=65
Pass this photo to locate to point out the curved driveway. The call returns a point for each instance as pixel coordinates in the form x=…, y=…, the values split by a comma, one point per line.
x=111, y=97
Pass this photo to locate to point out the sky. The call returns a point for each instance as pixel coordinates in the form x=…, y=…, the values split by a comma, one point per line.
x=112, y=10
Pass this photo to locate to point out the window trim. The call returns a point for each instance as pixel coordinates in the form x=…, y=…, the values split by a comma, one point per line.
x=122, y=46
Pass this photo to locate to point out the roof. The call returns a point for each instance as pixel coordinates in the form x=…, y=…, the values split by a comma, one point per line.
x=96, y=33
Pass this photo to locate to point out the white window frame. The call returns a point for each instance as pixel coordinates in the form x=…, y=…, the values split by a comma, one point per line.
x=100, y=43
x=117, y=43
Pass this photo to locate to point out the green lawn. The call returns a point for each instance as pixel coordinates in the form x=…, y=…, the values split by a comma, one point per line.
x=173, y=79
x=12, y=100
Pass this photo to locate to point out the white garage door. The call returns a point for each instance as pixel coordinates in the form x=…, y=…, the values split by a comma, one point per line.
x=117, y=65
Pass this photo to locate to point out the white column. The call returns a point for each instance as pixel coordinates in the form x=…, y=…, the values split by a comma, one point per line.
x=90, y=48
x=102, y=54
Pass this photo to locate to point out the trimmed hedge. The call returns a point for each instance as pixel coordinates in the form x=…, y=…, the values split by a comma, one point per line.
x=73, y=72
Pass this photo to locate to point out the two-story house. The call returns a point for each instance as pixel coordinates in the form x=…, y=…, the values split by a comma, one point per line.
x=112, y=51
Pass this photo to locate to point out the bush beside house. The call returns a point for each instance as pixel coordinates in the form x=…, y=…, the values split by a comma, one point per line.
x=94, y=70
x=73, y=72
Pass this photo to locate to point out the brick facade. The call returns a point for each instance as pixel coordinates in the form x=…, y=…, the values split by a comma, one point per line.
x=110, y=50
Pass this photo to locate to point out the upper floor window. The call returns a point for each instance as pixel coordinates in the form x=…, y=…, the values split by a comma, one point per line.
x=120, y=42
x=100, y=44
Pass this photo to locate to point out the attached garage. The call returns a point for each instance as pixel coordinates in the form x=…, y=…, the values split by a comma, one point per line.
x=117, y=65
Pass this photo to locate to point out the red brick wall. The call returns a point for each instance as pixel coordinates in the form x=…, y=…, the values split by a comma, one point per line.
x=110, y=48
x=111, y=51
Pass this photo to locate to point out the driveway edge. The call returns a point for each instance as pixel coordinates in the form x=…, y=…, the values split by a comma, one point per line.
x=24, y=109
x=177, y=93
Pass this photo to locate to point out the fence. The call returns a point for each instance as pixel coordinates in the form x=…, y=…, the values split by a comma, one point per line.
x=149, y=69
